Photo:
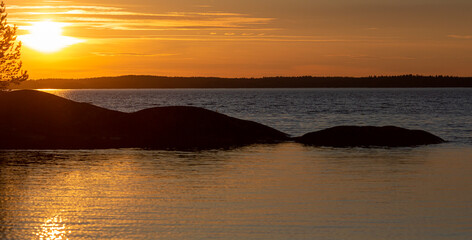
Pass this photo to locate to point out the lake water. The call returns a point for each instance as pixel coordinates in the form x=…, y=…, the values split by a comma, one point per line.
x=282, y=191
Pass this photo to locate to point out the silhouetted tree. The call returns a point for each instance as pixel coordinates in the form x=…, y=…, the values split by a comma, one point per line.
x=10, y=64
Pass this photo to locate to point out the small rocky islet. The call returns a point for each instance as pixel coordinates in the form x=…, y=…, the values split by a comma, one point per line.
x=37, y=120
x=368, y=136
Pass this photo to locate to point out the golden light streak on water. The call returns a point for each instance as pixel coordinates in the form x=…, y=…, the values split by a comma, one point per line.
x=53, y=229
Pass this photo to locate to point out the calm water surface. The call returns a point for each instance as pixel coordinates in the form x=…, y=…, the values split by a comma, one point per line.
x=283, y=191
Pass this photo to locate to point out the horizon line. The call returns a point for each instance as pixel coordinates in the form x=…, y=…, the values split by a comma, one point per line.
x=263, y=77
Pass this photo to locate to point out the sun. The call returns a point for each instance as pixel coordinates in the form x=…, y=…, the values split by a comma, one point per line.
x=46, y=37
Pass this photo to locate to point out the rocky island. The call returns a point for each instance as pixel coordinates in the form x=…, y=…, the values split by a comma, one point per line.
x=368, y=136
x=37, y=120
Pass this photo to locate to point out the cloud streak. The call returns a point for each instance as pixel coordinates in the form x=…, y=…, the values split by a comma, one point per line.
x=114, y=54
x=103, y=22
x=461, y=36
x=120, y=19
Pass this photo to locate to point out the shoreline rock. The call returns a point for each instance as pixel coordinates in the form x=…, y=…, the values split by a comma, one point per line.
x=37, y=120
x=367, y=136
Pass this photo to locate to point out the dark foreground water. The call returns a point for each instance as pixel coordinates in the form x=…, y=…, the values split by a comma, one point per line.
x=283, y=191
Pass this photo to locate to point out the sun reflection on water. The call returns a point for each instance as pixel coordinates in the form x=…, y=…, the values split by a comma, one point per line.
x=53, y=229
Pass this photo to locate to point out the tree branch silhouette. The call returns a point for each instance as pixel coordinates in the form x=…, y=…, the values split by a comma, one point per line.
x=10, y=53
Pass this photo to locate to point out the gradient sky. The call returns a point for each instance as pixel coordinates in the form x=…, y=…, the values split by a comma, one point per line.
x=251, y=38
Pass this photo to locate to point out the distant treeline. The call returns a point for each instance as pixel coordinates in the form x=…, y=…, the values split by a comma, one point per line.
x=140, y=81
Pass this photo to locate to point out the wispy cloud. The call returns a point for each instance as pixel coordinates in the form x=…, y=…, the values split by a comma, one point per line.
x=369, y=57
x=121, y=19
x=229, y=37
x=54, y=7
x=113, y=54
x=102, y=22
x=461, y=36
x=56, y=1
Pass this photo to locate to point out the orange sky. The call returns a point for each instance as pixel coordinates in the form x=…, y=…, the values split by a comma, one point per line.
x=250, y=38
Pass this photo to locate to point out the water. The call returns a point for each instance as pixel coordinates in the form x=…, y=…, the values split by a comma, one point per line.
x=283, y=191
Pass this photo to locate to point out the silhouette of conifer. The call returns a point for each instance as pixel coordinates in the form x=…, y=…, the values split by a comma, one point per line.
x=10, y=64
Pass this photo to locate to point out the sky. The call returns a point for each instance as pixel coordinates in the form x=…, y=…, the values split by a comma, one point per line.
x=247, y=38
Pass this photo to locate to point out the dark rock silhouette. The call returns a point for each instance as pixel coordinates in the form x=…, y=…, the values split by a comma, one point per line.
x=365, y=136
x=37, y=120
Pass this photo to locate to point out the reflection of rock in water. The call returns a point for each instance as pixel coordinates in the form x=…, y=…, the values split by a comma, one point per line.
x=351, y=136
x=32, y=119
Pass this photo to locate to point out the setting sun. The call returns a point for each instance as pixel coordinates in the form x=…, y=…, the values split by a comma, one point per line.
x=46, y=37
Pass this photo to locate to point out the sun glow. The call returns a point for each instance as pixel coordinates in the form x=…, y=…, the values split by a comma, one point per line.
x=46, y=37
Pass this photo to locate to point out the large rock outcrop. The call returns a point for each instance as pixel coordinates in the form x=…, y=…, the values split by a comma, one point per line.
x=365, y=136
x=37, y=120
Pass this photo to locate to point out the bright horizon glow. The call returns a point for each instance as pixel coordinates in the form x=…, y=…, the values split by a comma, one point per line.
x=46, y=37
